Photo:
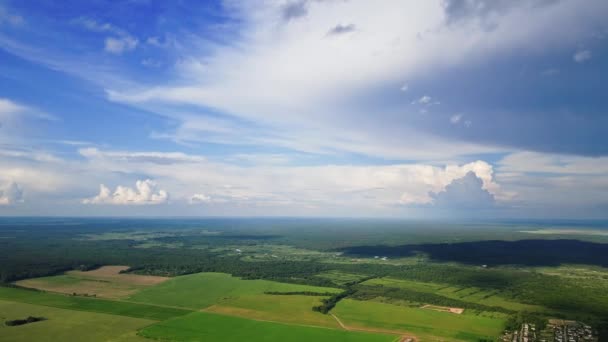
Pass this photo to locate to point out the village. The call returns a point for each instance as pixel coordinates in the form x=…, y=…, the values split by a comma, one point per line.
x=555, y=331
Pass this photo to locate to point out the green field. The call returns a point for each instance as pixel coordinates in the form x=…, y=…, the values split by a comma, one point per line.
x=200, y=290
x=466, y=294
x=90, y=304
x=67, y=325
x=287, y=309
x=202, y=326
x=341, y=278
x=424, y=323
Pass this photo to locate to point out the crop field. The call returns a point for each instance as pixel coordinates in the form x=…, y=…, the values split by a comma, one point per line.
x=201, y=290
x=136, y=310
x=66, y=325
x=203, y=326
x=341, y=278
x=288, y=309
x=106, y=282
x=425, y=324
x=467, y=294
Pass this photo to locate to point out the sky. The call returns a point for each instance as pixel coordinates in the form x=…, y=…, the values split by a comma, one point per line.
x=406, y=109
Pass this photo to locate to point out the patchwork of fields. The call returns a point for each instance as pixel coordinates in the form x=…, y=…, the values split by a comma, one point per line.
x=218, y=306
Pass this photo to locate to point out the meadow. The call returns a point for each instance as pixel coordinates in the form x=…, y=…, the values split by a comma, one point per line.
x=66, y=325
x=201, y=290
x=423, y=323
x=294, y=309
x=202, y=326
x=136, y=310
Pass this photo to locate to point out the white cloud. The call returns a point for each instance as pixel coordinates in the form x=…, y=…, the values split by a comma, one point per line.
x=8, y=107
x=455, y=119
x=119, y=45
x=200, y=198
x=464, y=193
x=11, y=193
x=121, y=41
x=140, y=157
x=425, y=99
x=288, y=75
x=582, y=56
x=404, y=87
x=145, y=193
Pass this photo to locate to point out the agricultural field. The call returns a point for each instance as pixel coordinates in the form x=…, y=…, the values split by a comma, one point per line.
x=76, y=303
x=106, y=282
x=288, y=309
x=423, y=323
x=202, y=326
x=201, y=290
x=466, y=294
x=66, y=325
x=206, y=280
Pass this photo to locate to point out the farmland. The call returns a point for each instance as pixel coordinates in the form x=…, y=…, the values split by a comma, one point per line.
x=64, y=325
x=106, y=282
x=425, y=324
x=466, y=294
x=198, y=291
x=200, y=279
x=201, y=326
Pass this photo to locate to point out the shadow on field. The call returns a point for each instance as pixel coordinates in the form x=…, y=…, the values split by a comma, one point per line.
x=522, y=252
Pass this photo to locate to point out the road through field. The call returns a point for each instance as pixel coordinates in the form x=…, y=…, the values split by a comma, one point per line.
x=404, y=337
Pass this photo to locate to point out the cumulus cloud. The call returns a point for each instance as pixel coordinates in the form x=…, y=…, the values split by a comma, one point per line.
x=581, y=56
x=10, y=194
x=200, y=198
x=145, y=192
x=464, y=193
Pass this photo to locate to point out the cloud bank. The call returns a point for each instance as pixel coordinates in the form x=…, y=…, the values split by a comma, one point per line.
x=145, y=193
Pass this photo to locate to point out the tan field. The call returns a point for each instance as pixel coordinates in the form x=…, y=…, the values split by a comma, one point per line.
x=105, y=282
x=457, y=311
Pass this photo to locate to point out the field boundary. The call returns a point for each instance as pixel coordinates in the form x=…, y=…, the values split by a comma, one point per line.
x=403, y=336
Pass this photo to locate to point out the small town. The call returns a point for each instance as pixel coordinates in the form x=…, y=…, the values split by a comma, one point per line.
x=555, y=331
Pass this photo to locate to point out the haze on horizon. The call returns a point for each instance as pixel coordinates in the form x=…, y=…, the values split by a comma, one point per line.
x=415, y=109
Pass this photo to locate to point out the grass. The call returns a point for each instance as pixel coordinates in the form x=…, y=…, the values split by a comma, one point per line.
x=201, y=290
x=104, y=282
x=67, y=325
x=426, y=324
x=90, y=304
x=341, y=278
x=202, y=326
x=466, y=294
x=287, y=309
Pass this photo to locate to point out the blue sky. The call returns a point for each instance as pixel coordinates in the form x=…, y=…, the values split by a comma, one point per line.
x=441, y=108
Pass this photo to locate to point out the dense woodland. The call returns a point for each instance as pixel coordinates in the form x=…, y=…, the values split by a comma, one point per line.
x=38, y=250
